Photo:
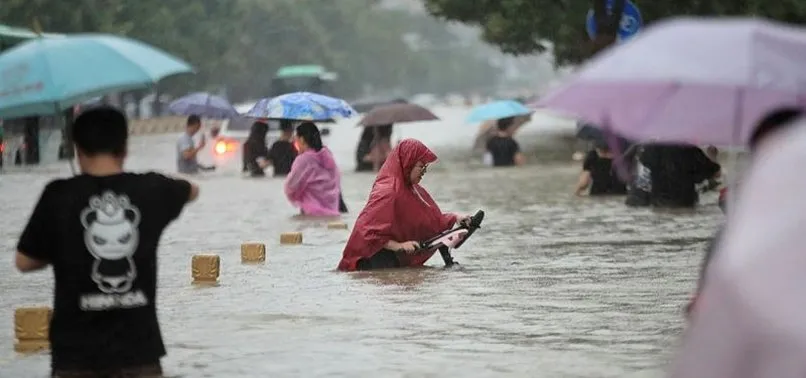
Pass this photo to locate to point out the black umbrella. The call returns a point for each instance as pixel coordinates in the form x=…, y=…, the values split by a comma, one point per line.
x=591, y=133
x=365, y=106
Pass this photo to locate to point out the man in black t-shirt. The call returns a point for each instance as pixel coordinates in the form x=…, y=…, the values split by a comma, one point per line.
x=100, y=230
x=503, y=150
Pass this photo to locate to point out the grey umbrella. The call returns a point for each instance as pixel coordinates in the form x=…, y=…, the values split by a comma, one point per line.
x=397, y=113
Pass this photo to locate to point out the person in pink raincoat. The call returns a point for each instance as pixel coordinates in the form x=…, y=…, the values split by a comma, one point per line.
x=314, y=183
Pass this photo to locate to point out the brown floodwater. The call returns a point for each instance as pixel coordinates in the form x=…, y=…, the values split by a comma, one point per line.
x=551, y=286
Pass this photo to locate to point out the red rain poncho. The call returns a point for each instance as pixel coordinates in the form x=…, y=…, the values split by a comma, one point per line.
x=395, y=212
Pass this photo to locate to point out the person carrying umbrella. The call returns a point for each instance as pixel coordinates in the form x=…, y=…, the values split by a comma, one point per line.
x=381, y=120
x=308, y=108
x=373, y=147
x=489, y=129
x=187, y=150
x=502, y=149
x=257, y=157
x=362, y=164
x=381, y=146
x=255, y=152
x=282, y=152
x=314, y=183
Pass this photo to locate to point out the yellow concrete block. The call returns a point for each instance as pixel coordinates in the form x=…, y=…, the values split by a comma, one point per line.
x=337, y=226
x=253, y=253
x=31, y=346
x=206, y=269
x=291, y=238
x=31, y=325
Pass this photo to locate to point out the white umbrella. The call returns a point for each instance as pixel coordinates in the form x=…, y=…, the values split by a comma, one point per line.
x=750, y=320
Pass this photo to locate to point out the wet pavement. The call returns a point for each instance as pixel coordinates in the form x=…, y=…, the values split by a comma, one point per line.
x=551, y=286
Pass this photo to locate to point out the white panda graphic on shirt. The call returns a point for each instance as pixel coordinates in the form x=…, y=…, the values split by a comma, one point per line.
x=111, y=236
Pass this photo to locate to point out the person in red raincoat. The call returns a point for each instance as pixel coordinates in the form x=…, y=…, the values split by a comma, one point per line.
x=398, y=214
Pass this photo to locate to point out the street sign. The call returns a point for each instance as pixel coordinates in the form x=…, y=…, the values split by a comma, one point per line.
x=631, y=21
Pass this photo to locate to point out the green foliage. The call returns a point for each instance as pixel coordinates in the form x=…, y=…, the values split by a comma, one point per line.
x=530, y=26
x=239, y=44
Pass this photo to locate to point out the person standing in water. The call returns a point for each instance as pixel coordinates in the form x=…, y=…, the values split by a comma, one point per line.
x=100, y=231
x=187, y=149
x=381, y=146
x=639, y=191
x=255, y=152
x=257, y=157
x=503, y=150
x=675, y=171
x=282, y=152
x=362, y=150
x=313, y=185
x=489, y=129
x=598, y=173
x=398, y=214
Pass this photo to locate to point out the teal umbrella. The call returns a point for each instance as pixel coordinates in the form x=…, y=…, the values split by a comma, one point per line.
x=48, y=75
x=498, y=110
x=10, y=36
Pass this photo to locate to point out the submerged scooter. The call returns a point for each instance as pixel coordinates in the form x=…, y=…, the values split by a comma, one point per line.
x=451, y=239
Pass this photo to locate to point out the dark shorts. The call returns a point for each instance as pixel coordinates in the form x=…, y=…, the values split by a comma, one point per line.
x=143, y=371
x=342, y=205
x=383, y=259
x=638, y=198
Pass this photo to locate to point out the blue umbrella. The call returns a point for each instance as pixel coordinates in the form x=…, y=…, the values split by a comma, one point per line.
x=497, y=110
x=204, y=105
x=47, y=75
x=301, y=106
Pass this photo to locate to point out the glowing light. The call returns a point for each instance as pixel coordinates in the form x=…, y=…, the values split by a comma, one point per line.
x=221, y=147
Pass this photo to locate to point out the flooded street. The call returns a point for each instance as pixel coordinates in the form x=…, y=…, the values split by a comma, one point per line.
x=551, y=286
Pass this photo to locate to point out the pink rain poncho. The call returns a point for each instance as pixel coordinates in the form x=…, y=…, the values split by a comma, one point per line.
x=750, y=319
x=314, y=183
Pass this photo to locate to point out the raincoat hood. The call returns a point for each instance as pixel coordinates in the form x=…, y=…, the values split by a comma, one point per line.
x=396, y=210
x=322, y=157
x=396, y=170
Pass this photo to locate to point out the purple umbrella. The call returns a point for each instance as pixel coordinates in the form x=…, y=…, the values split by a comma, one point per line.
x=690, y=80
x=204, y=105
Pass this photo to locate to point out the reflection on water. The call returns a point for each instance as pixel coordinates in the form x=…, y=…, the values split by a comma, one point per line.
x=551, y=286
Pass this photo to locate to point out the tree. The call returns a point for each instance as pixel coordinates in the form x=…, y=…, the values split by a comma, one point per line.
x=239, y=44
x=535, y=26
